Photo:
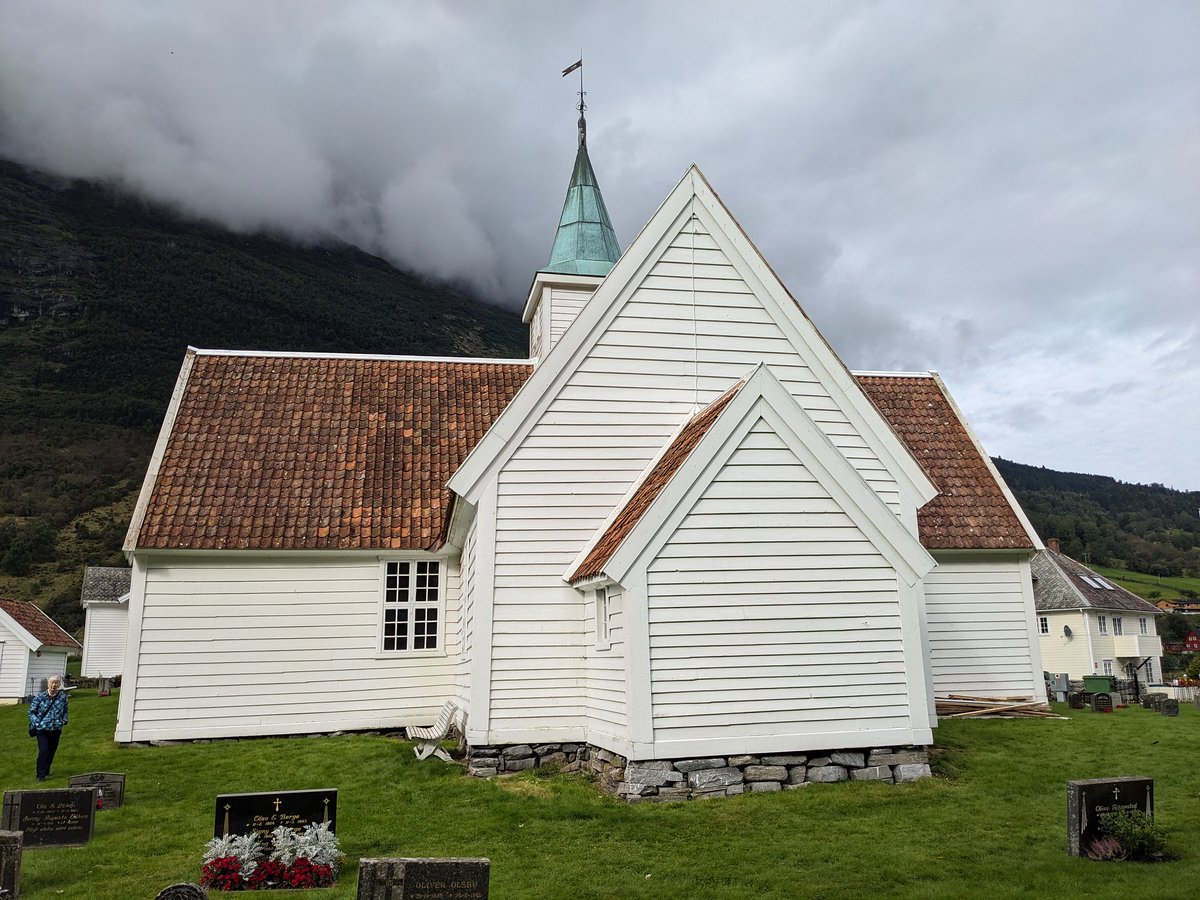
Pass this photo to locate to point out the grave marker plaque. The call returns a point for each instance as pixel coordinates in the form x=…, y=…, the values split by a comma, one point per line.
x=183, y=891
x=1090, y=798
x=54, y=818
x=111, y=786
x=1102, y=703
x=453, y=878
x=263, y=813
x=10, y=864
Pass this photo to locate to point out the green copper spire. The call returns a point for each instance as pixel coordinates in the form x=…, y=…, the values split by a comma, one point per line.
x=585, y=243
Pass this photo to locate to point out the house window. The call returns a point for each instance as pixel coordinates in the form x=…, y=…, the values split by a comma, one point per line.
x=1142, y=626
x=1118, y=625
x=1044, y=624
x=1108, y=667
x=411, y=605
x=1149, y=671
x=1103, y=621
x=603, y=618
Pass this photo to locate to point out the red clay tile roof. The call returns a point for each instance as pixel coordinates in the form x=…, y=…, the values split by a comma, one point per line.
x=320, y=453
x=652, y=485
x=37, y=623
x=971, y=511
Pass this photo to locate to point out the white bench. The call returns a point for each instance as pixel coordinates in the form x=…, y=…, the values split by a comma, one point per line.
x=429, y=739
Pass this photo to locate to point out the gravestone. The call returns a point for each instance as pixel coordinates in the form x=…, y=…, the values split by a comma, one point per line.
x=1076, y=700
x=111, y=786
x=1102, y=703
x=1147, y=701
x=1088, y=799
x=423, y=879
x=10, y=864
x=185, y=890
x=263, y=813
x=1170, y=707
x=55, y=818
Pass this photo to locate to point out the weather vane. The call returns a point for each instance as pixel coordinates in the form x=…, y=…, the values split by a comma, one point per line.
x=582, y=106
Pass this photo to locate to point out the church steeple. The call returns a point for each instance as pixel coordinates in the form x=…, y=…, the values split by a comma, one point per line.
x=585, y=243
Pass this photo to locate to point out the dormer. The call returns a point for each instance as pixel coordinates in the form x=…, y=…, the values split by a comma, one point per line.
x=585, y=248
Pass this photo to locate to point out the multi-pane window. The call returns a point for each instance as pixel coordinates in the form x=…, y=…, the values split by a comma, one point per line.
x=411, y=606
x=1108, y=667
x=1149, y=671
x=602, y=617
x=1044, y=624
x=1142, y=626
x=1118, y=625
x=1103, y=622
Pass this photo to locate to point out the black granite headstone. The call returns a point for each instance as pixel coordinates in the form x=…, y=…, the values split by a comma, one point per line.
x=183, y=891
x=423, y=879
x=1102, y=703
x=54, y=818
x=1076, y=700
x=10, y=864
x=111, y=786
x=263, y=813
x=1170, y=707
x=1090, y=798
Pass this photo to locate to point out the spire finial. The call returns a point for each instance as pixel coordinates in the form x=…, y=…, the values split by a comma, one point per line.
x=581, y=105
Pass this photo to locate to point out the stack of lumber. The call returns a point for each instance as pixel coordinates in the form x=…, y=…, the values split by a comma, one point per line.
x=963, y=706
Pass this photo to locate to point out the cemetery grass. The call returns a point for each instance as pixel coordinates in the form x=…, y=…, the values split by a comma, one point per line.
x=991, y=823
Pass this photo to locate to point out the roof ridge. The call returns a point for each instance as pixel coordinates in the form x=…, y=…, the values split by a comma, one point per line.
x=374, y=357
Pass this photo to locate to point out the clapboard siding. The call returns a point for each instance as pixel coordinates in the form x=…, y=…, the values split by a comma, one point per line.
x=605, y=681
x=789, y=629
x=565, y=304
x=302, y=656
x=614, y=413
x=104, y=633
x=470, y=582
x=1067, y=654
x=51, y=662
x=14, y=662
x=978, y=625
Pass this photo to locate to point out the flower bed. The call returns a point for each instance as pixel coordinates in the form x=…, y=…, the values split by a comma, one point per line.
x=295, y=859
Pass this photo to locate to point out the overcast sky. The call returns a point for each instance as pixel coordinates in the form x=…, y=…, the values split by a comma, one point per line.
x=1006, y=192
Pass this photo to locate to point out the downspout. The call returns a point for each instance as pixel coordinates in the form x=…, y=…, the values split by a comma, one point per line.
x=1087, y=626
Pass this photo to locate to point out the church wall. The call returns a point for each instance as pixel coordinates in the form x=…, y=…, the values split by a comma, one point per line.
x=14, y=662
x=277, y=645
x=104, y=631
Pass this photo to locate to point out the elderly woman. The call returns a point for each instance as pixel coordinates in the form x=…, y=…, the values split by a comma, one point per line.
x=47, y=716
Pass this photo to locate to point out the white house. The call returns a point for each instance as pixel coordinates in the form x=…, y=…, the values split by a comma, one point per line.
x=32, y=648
x=105, y=600
x=681, y=527
x=1089, y=626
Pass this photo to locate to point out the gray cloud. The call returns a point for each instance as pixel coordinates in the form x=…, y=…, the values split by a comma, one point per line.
x=1003, y=192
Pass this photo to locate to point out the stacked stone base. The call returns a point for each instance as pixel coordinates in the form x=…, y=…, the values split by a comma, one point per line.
x=704, y=778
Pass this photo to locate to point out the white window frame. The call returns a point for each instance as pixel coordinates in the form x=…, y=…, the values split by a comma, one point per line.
x=1108, y=667
x=1102, y=621
x=1044, y=624
x=1142, y=626
x=412, y=604
x=1149, y=671
x=1118, y=626
x=603, y=601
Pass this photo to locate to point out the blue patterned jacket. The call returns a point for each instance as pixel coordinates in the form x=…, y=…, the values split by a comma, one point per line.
x=48, y=713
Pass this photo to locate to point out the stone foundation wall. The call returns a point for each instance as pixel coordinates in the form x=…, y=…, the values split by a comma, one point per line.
x=663, y=780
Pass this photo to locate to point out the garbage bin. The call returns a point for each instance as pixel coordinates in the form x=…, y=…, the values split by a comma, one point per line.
x=1099, y=684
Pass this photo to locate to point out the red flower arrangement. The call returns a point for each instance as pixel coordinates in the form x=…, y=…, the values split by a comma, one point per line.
x=223, y=873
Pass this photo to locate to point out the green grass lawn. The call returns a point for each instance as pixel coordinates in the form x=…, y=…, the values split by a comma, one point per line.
x=992, y=823
x=1165, y=587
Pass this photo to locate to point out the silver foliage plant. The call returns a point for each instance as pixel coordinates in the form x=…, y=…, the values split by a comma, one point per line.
x=244, y=846
x=316, y=842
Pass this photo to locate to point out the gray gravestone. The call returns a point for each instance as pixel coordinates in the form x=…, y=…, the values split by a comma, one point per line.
x=1148, y=701
x=10, y=864
x=1076, y=700
x=1102, y=703
x=111, y=786
x=182, y=891
x=423, y=879
x=263, y=813
x=1089, y=799
x=1170, y=707
x=54, y=818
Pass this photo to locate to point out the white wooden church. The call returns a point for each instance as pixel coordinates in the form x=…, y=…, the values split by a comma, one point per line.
x=680, y=528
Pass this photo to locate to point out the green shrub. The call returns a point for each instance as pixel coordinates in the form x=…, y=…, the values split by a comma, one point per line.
x=1137, y=834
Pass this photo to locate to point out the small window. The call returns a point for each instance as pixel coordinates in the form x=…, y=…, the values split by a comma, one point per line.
x=603, y=618
x=1044, y=624
x=1142, y=627
x=1103, y=623
x=1104, y=584
x=1108, y=669
x=1149, y=671
x=1118, y=625
x=411, y=606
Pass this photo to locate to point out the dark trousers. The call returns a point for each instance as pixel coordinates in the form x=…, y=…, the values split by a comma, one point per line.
x=47, y=747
